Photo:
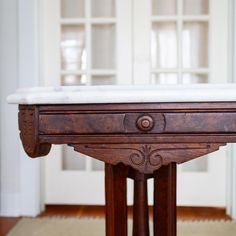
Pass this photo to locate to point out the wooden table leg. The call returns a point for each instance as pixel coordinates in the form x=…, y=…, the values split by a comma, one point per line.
x=140, y=208
x=116, y=200
x=165, y=201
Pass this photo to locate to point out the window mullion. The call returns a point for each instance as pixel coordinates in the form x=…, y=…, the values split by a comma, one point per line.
x=179, y=36
x=88, y=39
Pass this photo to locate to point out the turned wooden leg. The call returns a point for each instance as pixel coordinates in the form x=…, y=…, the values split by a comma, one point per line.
x=140, y=208
x=165, y=201
x=116, y=203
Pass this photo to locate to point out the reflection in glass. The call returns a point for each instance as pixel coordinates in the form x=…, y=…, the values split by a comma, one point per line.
x=194, y=78
x=163, y=7
x=72, y=8
x=165, y=78
x=103, y=8
x=164, y=45
x=195, y=45
x=103, y=80
x=73, y=52
x=196, y=7
x=70, y=80
x=103, y=46
x=196, y=165
x=72, y=160
x=97, y=165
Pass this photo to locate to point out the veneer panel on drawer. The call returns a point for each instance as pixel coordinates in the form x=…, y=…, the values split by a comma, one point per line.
x=200, y=122
x=81, y=123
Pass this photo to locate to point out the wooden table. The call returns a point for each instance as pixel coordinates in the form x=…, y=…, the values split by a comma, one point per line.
x=138, y=137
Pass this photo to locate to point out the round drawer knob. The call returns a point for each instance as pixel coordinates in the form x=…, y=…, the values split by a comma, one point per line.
x=145, y=123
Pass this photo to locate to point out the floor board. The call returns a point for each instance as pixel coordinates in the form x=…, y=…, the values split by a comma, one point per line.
x=183, y=213
x=6, y=223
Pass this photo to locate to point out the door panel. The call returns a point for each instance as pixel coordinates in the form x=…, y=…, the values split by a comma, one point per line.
x=182, y=53
x=134, y=42
x=93, y=51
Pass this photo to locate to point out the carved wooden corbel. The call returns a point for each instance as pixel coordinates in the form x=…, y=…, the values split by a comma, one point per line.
x=146, y=158
x=28, y=126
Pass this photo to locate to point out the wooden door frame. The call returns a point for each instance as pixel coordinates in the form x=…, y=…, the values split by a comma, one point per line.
x=29, y=75
x=23, y=194
x=8, y=83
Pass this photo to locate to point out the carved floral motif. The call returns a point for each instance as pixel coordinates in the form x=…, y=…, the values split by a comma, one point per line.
x=146, y=158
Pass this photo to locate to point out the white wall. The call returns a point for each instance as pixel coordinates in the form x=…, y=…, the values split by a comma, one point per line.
x=20, y=192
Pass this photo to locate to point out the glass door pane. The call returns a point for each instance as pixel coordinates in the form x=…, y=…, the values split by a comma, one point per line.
x=164, y=45
x=73, y=50
x=103, y=46
x=97, y=165
x=70, y=80
x=103, y=79
x=197, y=165
x=196, y=7
x=88, y=56
x=103, y=8
x=180, y=47
x=165, y=78
x=72, y=8
x=190, y=78
x=163, y=7
x=72, y=160
x=195, y=45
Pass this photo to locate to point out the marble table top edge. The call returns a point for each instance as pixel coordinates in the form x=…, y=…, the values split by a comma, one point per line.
x=124, y=94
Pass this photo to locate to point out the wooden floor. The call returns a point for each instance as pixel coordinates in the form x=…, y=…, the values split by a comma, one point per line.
x=6, y=223
x=184, y=213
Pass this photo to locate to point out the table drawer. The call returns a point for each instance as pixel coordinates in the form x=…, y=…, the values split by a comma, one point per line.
x=133, y=123
x=102, y=123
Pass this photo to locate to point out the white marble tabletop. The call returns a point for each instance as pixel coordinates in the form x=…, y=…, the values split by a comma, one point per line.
x=124, y=94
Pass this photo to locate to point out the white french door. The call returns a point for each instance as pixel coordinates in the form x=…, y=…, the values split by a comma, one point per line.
x=93, y=42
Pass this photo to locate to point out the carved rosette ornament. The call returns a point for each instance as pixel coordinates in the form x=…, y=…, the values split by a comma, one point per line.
x=146, y=158
x=29, y=132
x=145, y=123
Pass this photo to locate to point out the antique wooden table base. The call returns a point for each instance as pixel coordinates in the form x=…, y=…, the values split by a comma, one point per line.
x=135, y=140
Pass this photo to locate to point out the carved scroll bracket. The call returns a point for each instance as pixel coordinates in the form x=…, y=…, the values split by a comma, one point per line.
x=146, y=158
x=28, y=125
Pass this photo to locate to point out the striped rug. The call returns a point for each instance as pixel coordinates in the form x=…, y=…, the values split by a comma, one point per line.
x=96, y=227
